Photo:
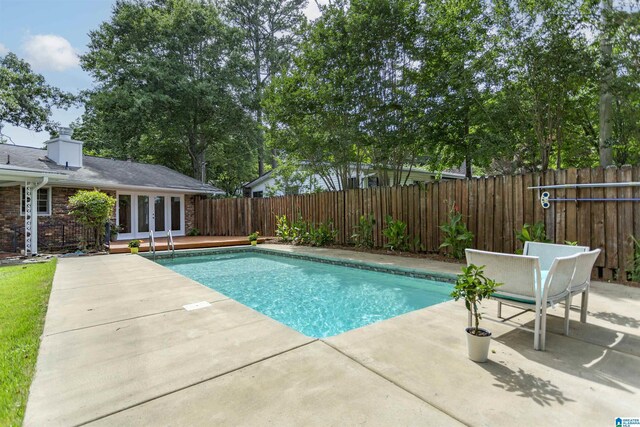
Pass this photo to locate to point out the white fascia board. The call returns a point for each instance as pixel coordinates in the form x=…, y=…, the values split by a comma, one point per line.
x=120, y=187
x=20, y=174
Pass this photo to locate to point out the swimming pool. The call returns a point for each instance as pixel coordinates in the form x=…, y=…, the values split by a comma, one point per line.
x=316, y=299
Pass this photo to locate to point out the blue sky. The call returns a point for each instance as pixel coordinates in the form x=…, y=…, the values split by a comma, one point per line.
x=50, y=34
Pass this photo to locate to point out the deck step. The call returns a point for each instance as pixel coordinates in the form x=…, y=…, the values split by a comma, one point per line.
x=199, y=242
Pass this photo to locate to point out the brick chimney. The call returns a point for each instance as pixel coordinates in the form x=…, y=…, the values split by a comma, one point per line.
x=65, y=151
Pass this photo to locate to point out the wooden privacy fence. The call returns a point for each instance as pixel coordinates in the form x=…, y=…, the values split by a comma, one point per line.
x=494, y=208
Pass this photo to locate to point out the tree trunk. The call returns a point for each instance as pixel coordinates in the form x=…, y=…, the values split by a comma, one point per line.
x=606, y=97
x=258, y=100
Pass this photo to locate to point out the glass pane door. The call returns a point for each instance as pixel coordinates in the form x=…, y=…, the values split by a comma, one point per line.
x=143, y=214
x=158, y=214
x=176, y=214
x=124, y=213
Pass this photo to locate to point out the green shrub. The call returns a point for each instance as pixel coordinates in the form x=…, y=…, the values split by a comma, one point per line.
x=93, y=210
x=283, y=229
x=299, y=231
x=362, y=235
x=193, y=232
x=396, y=234
x=532, y=233
x=456, y=235
x=321, y=235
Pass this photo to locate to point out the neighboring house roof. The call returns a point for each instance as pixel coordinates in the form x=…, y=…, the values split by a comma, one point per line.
x=265, y=176
x=100, y=172
x=452, y=173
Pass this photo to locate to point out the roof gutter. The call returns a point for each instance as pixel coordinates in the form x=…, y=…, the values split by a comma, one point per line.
x=108, y=186
x=17, y=174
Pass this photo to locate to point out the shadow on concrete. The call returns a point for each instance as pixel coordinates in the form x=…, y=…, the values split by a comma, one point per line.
x=617, y=319
x=523, y=384
x=592, y=352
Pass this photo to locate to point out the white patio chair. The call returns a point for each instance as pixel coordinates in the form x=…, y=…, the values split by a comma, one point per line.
x=521, y=287
x=547, y=252
x=580, y=284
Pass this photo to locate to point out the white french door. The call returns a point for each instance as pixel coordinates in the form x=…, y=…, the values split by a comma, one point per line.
x=139, y=213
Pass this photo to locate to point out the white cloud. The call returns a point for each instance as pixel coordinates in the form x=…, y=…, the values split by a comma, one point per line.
x=50, y=52
x=3, y=49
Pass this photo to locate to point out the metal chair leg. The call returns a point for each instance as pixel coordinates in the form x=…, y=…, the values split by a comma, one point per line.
x=567, y=313
x=584, y=306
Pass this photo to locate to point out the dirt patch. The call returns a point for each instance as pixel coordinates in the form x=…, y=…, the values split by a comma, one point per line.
x=382, y=251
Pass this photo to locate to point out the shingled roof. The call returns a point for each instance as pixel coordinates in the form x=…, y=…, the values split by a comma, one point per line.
x=104, y=173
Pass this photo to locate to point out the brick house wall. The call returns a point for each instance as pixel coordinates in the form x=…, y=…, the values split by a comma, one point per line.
x=189, y=212
x=58, y=231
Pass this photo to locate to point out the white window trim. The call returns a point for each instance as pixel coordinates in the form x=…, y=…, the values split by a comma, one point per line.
x=135, y=234
x=49, y=191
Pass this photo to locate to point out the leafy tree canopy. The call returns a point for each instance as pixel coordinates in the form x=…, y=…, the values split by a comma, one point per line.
x=169, y=88
x=26, y=100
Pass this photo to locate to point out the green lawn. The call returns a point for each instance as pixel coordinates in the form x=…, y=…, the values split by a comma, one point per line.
x=24, y=294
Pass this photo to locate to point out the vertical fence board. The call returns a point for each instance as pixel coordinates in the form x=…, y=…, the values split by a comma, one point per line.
x=489, y=210
x=560, y=207
x=482, y=201
x=507, y=214
x=519, y=208
x=611, y=224
x=498, y=218
x=625, y=223
x=583, y=235
x=571, y=222
x=549, y=215
x=597, y=218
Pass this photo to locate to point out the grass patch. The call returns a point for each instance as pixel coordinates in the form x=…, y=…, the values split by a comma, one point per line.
x=24, y=294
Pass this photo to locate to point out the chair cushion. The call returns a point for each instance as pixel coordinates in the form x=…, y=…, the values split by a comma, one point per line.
x=515, y=298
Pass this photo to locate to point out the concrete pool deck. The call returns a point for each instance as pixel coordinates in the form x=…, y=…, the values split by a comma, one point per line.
x=119, y=349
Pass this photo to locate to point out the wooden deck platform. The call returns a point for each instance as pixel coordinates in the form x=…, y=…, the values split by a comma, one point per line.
x=184, y=242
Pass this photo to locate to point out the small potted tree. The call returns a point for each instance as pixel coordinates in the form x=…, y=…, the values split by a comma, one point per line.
x=473, y=286
x=253, y=238
x=134, y=246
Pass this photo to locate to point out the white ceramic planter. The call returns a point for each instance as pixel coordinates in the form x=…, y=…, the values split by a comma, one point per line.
x=478, y=346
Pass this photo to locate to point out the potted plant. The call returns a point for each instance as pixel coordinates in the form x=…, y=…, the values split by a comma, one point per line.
x=253, y=238
x=473, y=286
x=134, y=245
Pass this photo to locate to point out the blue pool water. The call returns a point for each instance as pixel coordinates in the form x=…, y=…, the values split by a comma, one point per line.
x=316, y=299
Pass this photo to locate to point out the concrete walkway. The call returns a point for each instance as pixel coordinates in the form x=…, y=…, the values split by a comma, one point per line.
x=119, y=349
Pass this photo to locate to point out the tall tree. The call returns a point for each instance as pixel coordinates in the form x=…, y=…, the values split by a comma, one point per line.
x=313, y=104
x=26, y=100
x=546, y=63
x=606, y=83
x=454, y=84
x=167, y=74
x=269, y=30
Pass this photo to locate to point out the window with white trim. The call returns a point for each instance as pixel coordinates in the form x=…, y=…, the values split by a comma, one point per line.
x=43, y=201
